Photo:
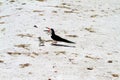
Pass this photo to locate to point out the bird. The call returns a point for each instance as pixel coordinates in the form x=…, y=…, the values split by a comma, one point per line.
x=56, y=37
x=41, y=41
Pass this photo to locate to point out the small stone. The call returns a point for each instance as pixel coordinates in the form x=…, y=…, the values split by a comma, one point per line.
x=90, y=68
x=1, y=61
x=110, y=61
x=115, y=75
x=49, y=79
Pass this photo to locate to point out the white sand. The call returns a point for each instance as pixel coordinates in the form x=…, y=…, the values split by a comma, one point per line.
x=94, y=26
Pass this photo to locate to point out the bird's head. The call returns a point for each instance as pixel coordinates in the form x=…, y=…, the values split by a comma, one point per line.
x=50, y=30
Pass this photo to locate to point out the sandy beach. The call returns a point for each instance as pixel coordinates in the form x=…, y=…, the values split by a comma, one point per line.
x=93, y=25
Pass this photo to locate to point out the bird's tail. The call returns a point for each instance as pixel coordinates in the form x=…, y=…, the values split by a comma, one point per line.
x=68, y=41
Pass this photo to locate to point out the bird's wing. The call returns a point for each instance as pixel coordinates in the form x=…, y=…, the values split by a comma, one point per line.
x=58, y=38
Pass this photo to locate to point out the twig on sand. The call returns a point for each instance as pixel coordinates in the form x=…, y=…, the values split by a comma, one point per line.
x=25, y=35
x=25, y=46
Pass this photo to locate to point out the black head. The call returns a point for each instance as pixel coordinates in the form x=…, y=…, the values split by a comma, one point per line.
x=52, y=31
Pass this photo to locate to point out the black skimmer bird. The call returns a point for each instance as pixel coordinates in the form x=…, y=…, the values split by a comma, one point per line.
x=56, y=37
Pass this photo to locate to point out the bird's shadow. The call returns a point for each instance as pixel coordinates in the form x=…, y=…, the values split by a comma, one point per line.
x=62, y=45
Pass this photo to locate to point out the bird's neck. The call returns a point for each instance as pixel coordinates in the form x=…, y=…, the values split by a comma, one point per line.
x=52, y=32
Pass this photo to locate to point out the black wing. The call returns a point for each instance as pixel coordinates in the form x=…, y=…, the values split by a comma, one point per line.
x=57, y=38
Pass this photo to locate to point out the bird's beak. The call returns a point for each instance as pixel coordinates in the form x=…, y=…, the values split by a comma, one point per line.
x=49, y=29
